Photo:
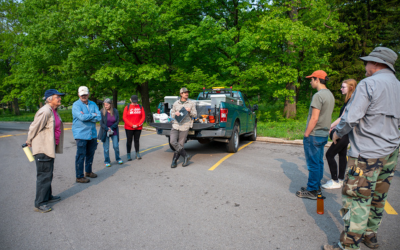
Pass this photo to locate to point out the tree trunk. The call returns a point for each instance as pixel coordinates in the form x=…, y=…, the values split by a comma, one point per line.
x=115, y=98
x=289, y=111
x=10, y=108
x=144, y=91
x=16, y=107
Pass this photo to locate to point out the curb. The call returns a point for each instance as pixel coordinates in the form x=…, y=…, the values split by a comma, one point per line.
x=283, y=141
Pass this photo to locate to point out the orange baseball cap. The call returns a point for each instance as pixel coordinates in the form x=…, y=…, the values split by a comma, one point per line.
x=319, y=74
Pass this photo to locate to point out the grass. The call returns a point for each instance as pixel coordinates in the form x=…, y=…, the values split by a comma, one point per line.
x=290, y=129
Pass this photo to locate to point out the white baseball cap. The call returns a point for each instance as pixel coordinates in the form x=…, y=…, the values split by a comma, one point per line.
x=83, y=90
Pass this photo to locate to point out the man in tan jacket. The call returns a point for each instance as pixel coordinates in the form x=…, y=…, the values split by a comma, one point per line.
x=45, y=136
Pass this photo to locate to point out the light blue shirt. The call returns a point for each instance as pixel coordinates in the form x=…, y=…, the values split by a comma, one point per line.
x=84, y=125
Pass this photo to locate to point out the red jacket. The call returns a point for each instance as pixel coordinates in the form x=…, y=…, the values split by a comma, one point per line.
x=134, y=116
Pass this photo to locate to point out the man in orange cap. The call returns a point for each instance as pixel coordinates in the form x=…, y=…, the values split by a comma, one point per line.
x=316, y=135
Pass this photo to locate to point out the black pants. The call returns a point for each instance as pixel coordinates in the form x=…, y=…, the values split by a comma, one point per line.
x=339, y=148
x=135, y=134
x=44, y=167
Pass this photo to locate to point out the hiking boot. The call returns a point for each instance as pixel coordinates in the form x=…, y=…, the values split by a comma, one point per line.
x=91, y=175
x=305, y=189
x=307, y=194
x=175, y=159
x=186, y=160
x=371, y=241
x=54, y=199
x=332, y=184
x=42, y=209
x=138, y=156
x=128, y=156
x=82, y=180
x=330, y=247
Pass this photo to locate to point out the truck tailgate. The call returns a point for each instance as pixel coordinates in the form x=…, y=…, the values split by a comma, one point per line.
x=196, y=126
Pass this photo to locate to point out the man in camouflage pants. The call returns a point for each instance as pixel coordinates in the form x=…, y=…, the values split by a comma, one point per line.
x=372, y=120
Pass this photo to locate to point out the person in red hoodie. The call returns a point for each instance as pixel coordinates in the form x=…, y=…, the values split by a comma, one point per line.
x=133, y=117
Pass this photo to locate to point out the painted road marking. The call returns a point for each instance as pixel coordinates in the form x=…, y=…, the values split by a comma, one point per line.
x=154, y=147
x=5, y=136
x=226, y=157
x=389, y=209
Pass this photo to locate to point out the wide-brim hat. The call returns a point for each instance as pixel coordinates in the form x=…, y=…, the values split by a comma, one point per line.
x=382, y=55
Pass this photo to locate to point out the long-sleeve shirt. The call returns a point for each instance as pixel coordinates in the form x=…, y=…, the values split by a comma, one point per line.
x=134, y=116
x=187, y=122
x=372, y=117
x=84, y=125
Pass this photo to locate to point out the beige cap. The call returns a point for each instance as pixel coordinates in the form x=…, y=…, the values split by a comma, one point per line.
x=83, y=90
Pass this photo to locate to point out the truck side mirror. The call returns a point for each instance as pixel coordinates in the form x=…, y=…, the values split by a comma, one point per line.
x=255, y=107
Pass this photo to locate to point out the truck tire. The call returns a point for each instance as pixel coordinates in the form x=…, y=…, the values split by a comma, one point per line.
x=253, y=137
x=233, y=144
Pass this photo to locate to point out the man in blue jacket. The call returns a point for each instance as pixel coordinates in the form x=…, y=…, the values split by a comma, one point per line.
x=85, y=115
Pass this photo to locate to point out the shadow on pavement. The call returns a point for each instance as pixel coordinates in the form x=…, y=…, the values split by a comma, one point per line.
x=325, y=222
x=103, y=174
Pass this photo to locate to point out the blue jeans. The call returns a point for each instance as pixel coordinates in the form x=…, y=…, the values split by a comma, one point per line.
x=314, y=152
x=84, y=155
x=106, y=147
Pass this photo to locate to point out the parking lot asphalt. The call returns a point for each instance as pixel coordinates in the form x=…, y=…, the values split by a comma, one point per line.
x=247, y=202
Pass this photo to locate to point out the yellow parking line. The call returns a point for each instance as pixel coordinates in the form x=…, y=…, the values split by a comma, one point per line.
x=389, y=209
x=5, y=136
x=148, y=134
x=67, y=128
x=226, y=157
x=154, y=147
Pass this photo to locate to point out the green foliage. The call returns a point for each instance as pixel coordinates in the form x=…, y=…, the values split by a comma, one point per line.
x=152, y=48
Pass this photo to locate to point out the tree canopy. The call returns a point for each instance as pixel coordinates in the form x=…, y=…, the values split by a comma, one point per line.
x=152, y=48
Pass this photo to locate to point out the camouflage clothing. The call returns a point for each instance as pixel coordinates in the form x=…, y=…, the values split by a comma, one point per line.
x=364, y=195
x=187, y=122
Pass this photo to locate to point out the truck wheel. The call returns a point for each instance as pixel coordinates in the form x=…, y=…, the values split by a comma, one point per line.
x=233, y=144
x=253, y=137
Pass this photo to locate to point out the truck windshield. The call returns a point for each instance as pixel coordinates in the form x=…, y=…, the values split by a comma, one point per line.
x=206, y=95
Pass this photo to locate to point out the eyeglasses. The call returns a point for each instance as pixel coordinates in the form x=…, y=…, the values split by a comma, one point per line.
x=84, y=95
x=343, y=87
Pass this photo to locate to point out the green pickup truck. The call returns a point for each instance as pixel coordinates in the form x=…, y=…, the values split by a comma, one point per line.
x=234, y=118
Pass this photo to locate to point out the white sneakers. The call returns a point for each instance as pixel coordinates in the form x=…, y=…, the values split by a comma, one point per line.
x=331, y=184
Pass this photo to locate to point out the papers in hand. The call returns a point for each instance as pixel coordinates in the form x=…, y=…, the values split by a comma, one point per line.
x=182, y=114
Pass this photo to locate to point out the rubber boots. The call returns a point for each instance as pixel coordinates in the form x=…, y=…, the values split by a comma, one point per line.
x=128, y=155
x=175, y=159
x=138, y=156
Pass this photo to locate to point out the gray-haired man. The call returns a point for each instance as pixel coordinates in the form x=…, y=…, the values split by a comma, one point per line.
x=180, y=130
x=372, y=121
x=45, y=136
